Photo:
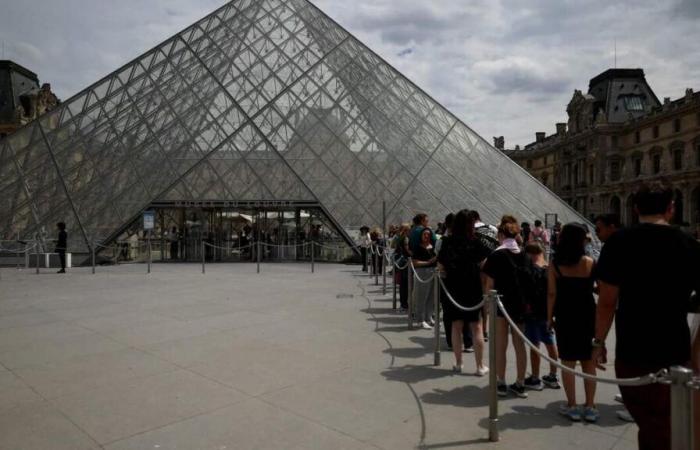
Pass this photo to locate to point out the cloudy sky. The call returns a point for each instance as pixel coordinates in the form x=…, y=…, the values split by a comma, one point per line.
x=506, y=67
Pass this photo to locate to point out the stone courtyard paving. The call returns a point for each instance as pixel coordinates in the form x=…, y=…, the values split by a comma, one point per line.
x=231, y=359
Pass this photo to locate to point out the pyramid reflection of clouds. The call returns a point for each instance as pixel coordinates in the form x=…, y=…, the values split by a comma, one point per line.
x=259, y=101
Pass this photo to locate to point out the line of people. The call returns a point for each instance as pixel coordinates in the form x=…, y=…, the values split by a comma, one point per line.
x=645, y=277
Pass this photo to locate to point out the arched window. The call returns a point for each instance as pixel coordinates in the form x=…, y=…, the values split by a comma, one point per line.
x=677, y=153
x=615, y=205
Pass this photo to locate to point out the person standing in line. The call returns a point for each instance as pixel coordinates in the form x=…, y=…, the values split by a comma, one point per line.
x=571, y=312
x=536, y=329
x=605, y=226
x=420, y=222
x=540, y=234
x=647, y=274
x=174, y=243
x=401, y=255
x=461, y=257
x=424, y=261
x=488, y=235
x=525, y=232
x=445, y=302
x=62, y=245
x=365, y=242
x=505, y=271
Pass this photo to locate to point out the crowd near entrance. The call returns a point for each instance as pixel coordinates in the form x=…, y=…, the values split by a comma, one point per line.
x=230, y=232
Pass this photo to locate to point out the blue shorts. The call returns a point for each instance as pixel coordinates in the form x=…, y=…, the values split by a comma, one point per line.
x=536, y=331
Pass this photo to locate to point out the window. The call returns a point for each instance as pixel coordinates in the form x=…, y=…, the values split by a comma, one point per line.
x=677, y=125
x=656, y=163
x=576, y=178
x=638, y=167
x=634, y=103
x=637, y=137
x=591, y=175
x=656, y=131
x=545, y=179
x=529, y=164
x=615, y=170
x=545, y=160
x=614, y=142
x=678, y=159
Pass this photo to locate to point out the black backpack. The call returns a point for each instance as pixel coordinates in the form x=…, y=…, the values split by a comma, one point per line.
x=526, y=279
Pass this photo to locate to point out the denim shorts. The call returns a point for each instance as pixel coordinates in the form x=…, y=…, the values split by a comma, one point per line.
x=536, y=331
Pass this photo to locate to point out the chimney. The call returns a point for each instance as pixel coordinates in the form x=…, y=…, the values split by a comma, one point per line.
x=499, y=142
x=539, y=136
x=688, y=93
x=561, y=129
x=667, y=100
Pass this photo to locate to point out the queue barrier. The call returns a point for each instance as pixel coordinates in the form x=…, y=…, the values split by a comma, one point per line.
x=680, y=379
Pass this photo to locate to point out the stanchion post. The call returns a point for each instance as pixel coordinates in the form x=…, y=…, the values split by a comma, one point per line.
x=492, y=303
x=313, y=256
x=258, y=252
x=384, y=272
x=376, y=266
x=204, y=257
x=681, y=408
x=26, y=258
x=436, y=327
x=393, y=283
x=92, y=254
x=410, y=294
x=36, y=253
x=149, y=254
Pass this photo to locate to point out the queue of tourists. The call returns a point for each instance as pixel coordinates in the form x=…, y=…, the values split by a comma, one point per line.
x=563, y=293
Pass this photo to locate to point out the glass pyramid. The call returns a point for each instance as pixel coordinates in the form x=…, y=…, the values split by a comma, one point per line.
x=261, y=100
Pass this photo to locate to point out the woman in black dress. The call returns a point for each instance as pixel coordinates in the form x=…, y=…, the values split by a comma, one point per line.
x=571, y=309
x=460, y=259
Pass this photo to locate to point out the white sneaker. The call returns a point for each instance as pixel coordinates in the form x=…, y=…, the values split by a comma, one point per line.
x=426, y=326
x=481, y=371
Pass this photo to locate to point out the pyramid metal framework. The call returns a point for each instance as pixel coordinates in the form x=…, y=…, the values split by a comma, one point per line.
x=261, y=100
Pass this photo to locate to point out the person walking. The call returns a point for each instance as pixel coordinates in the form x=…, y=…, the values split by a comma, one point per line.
x=571, y=312
x=174, y=243
x=460, y=258
x=62, y=245
x=506, y=270
x=424, y=260
x=647, y=274
x=365, y=241
x=536, y=329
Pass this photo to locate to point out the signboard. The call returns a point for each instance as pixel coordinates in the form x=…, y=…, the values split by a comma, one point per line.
x=149, y=220
x=550, y=220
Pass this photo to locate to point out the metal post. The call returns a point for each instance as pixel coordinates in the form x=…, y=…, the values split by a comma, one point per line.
x=92, y=252
x=258, y=251
x=36, y=252
x=410, y=294
x=681, y=408
x=492, y=303
x=376, y=266
x=149, y=253
x=313, y=257
x=204, y=258
x=26, y=258
x=386, y=235
x=436, y=327
x=384, y=272
x=393, y=282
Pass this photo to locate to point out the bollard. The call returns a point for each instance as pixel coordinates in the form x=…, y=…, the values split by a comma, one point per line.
x=681, y=408
x=492, y=303
x=92, y=252
x=313, y=256
x=204, y=258
x=149, y=255
x=436, y=327
x=393, y=282
x=410, y=294
x=384, y=273
x=376, y=267
x=257, y=245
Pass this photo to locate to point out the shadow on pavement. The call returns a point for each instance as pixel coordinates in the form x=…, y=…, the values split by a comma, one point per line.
x=469, y=396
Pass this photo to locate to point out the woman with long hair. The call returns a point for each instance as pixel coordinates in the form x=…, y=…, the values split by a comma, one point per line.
x=424, y=261
x=460, y=258
x=502, y=272
x=571, y=311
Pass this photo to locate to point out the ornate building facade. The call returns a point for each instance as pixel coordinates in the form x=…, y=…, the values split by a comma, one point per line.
x=21, y=98
x=619, y=134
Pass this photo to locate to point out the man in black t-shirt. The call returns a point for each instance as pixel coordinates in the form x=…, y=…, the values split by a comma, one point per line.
x=647, y=274
x=62, y=245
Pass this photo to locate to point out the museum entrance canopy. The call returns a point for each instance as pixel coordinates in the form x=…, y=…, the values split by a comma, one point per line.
x=259, y=101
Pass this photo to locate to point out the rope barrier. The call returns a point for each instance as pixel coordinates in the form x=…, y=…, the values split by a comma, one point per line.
x=228, y=248
x=659, y=377
x=457, y=305
x=418, y=278
x=303, y=244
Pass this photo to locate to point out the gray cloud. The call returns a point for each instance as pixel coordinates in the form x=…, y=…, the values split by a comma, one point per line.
x=506, y=67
